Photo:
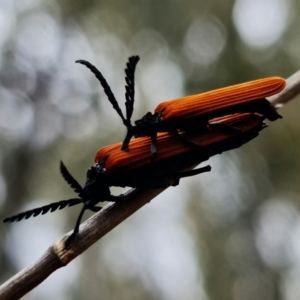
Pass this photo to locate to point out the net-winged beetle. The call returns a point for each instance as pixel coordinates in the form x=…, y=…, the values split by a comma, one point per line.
x=137, y=169
x=191, y=113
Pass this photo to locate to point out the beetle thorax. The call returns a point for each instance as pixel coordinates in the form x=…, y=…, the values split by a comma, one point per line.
x=147, y=125
x=96, y=187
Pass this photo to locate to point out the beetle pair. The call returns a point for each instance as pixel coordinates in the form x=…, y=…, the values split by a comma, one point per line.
x=191, y=113
x=136, y=168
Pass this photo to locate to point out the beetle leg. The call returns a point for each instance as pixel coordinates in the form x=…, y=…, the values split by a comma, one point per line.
x=186, y=140
x=95, y=208
x=76, y=229
x=265, y=108
x=225, y=128
x=156, y=185
x=194, y=172
x=119, y=198
x=176, y=177
x=173, y=179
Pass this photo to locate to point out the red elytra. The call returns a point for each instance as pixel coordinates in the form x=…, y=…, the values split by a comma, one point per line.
x=192, y=112
x=118, y=162
x=213, y=103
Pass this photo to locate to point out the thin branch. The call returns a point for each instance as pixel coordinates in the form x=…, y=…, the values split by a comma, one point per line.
x=291, y=90
x=57, y=256
x=100, y=224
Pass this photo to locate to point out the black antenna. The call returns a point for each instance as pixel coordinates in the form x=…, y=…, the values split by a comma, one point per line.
x=129, y=95
x=56, y=205
x=71, y=180
x=42, y=210
x=105, y=86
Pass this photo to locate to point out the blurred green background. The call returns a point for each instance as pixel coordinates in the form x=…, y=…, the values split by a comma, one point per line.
x=230, y=234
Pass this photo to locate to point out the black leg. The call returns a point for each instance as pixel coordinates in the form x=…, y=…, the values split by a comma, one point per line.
x=186, y=140
x=95, y=208
x=156, y=185
x=76, y=229
x=267, y=110
x=225, y=128
x=176, y=177
x=119, y=198
x=194, y=172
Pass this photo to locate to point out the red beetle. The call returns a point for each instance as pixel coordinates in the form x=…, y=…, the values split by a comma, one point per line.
x=191, y=113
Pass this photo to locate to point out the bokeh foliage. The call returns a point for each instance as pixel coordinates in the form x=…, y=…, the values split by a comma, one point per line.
x=230, y=234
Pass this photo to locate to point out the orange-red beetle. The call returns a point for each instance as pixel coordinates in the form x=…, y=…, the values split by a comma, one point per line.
x=191, y=113
x=173, y=156
x=137, y=168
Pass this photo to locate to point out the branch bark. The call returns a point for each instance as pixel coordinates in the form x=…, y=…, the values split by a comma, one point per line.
x=91, y=231
x=98, y=225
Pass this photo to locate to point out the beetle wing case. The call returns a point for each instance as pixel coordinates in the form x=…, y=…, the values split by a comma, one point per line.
x=221, y=101
x=137, y=167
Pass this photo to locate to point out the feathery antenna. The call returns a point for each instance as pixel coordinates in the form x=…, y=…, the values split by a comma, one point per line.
x=42, y=210
x=56, y=205
x=105, y=86
x=71, y=180
x=129, y=95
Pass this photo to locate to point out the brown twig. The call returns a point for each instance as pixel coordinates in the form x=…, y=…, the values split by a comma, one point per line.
x=90, y=231
x=101, y=223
